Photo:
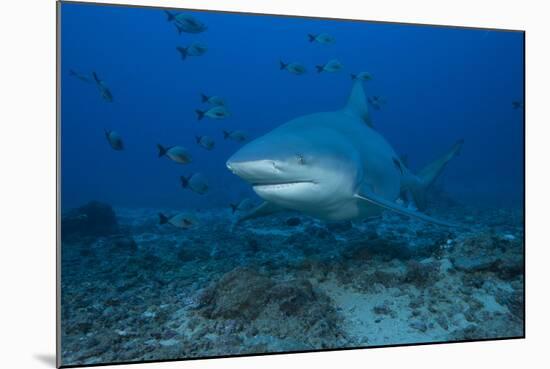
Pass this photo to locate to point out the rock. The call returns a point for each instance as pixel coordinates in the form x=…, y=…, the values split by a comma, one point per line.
x=488, y=252
x=241, y=293
x=377, y=248
x=186, y=253
x=293, y=222
x=513, y=301
x=382, y=309
x=94, y=219
x=442, y=321
x=319, y=232
x=253, y=245
x=123, y=244
x=368, y=282
x=495, y=325
x=339, y=227
x=422, y=273
x=475, y=263
x=419, y=325
x=245, y=299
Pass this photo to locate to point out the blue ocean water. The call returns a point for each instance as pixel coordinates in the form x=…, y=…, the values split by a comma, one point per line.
x=191, y=282
x=440, y=84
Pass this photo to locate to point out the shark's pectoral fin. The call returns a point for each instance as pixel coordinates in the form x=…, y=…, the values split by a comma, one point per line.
x=262, y=210
x=371, y=197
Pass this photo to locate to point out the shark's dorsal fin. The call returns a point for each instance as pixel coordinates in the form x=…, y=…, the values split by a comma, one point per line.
x=357, y=102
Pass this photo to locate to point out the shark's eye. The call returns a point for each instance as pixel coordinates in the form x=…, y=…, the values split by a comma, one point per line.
x=301, y=159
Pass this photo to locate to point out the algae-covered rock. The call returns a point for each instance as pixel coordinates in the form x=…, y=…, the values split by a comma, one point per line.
x=241, y=293
x=422, y=273
x=261, y=304
x=95, y=219
x=486, y=252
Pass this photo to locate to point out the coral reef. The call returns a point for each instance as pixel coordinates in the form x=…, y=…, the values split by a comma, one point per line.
x=94, y=219
x=133, y=290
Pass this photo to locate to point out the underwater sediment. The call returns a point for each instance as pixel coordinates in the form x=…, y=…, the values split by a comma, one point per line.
x=138, y=290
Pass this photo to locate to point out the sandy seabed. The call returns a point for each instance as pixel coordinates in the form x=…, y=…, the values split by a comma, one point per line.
x=146, y=291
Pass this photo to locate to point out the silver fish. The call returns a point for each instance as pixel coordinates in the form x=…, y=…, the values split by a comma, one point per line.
x=195, y=49
x=205, y=141
x=214, y=100
x=80, y=76
x=178, y=154
x=322, y=38
x=103, y=89
x=114, y=140
x=332, y=66
x=195, y=182
x=238, y=136
x=363, y=76
x=183, y=221
x=294, y=68
x=217, y=112
x=185, y=23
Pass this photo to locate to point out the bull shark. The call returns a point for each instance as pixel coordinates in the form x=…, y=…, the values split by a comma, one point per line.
x=334, y=166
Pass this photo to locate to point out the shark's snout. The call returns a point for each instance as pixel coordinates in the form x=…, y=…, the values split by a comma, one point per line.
x=253, y=171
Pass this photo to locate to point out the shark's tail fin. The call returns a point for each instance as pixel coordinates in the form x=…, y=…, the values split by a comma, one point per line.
x=428, y=175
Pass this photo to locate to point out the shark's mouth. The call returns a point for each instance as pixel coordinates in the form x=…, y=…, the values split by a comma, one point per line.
x=279, y=185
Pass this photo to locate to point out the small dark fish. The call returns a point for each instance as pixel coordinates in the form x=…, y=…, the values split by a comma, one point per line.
x=214, y=100
x=103, y=89
x=195, y=182
x=217, y=112
x=183, y=221
x=205, y=141
x=177, y=153
x=185, y=23
x=238, y=136
x=80, y=76
x=363, y=76
x=114, y=140
x=332, y=66
x=294, y=68
x=376, y=102
x=195, y=49
x=322, y=38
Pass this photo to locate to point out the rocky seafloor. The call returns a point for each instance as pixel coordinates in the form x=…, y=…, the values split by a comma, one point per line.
x=134, y=290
